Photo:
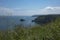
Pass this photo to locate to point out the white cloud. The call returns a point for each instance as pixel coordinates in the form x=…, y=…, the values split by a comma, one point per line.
x=50, y=10
x=6, y=11
x=24, y=12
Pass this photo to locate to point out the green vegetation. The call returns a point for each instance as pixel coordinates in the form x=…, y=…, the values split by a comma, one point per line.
x=49, y=31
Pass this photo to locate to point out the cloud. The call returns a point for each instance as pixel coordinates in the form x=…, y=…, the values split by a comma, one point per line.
x=50, y=10
x=28, y=12
x=5, y=11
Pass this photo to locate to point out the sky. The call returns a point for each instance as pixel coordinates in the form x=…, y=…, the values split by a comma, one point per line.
x=29, y=7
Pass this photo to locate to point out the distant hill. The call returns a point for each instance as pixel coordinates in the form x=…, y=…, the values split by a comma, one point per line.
x=46, y=15
x=44, y=19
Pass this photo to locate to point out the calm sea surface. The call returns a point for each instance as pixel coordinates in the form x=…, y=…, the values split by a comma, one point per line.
x=10, y=21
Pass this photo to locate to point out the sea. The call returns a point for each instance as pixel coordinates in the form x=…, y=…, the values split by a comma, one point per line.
x=9, y=22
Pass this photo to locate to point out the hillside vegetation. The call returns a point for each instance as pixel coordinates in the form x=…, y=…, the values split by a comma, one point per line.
x=48, y=31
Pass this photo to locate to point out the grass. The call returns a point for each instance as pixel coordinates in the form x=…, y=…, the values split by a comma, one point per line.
x=49, y=31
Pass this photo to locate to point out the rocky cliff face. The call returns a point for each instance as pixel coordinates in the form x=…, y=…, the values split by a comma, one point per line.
x=44, y=19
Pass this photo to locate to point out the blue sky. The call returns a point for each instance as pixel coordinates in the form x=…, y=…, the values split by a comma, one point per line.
x=30, y=7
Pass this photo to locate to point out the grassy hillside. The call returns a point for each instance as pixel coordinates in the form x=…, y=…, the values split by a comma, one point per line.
x=49, y=31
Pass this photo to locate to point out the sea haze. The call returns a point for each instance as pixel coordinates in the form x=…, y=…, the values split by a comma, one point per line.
x=8, y=22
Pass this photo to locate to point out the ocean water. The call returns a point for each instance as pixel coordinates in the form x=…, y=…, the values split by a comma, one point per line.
x=10, y=21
